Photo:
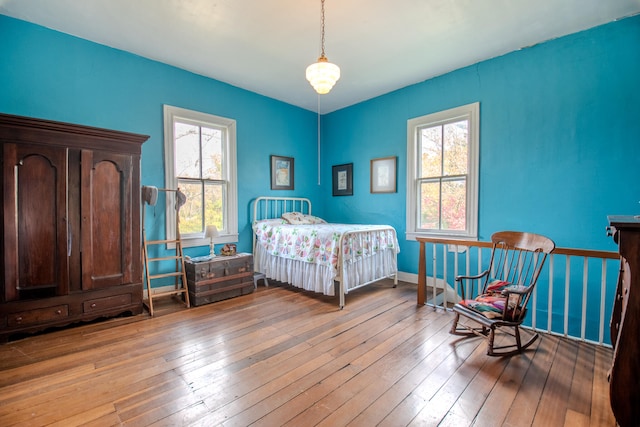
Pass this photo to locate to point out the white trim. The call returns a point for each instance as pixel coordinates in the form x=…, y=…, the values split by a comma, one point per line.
x=472, y=113
x=450, y=296
x=231, y=215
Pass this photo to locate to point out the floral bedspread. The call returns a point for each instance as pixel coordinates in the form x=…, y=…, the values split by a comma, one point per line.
x=319, y=243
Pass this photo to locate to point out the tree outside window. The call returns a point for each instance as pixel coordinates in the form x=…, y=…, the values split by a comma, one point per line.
x=199, y=169
x=443, y=176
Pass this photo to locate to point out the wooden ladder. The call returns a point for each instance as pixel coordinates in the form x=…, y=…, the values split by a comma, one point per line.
x=178, y=273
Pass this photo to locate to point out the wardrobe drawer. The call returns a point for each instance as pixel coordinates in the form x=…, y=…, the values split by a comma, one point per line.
x=39, y=315
x=100, y=304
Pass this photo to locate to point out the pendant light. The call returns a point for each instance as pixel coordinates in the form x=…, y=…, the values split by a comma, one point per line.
x=323, y=74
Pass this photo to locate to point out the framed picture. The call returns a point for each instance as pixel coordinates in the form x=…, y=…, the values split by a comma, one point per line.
x=343, y=180
x=281, y=173
x=383, y=175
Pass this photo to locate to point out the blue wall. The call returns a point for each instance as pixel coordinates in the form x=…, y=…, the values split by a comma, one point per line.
x=55, y=76
x=559, y=127
x=559, y=139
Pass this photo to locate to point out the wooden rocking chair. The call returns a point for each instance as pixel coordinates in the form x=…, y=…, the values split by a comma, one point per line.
x=516, y=261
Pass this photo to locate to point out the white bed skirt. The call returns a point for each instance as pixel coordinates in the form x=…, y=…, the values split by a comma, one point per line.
x=320, y=278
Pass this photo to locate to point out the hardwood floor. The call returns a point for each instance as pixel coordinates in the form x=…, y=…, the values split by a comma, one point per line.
x=285, y=357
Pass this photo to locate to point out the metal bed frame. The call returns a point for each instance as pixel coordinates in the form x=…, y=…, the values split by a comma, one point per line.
x=266, y=207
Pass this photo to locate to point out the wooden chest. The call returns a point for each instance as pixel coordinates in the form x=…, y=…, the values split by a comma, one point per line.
x=219, y=278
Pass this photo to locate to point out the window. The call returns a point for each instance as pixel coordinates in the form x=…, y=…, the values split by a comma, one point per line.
x=442, y=173
x=200, y=160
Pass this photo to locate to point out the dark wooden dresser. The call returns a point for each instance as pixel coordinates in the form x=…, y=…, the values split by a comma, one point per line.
x=71, y=224
x=220, y=278
x=624, y=377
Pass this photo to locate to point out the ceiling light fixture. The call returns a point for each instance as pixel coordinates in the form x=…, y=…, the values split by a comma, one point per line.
x=323, y=74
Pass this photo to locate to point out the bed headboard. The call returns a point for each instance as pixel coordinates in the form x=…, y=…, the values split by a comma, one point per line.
x=265, y=207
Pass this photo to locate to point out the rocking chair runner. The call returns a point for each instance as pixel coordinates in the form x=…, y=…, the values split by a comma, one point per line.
x=516, y=261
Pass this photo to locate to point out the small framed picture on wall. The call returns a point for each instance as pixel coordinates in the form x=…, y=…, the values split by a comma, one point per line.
x=281, y=173
x=383, y=175
x=343, y=180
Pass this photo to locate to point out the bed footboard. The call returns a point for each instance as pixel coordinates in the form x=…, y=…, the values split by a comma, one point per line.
x=362, y=271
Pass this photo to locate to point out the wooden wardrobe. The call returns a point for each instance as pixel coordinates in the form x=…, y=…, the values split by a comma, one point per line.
x=624, y=376
x=71, y=224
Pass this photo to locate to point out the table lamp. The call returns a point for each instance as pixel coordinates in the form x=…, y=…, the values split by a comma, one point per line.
x=211, y=233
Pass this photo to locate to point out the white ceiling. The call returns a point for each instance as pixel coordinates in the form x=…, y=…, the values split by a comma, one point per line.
x=265, y=45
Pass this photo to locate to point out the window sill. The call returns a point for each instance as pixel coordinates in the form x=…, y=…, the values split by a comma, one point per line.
x=201, y=241
x=414, y=234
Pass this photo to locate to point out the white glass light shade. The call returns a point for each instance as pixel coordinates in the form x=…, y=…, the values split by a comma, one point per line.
x=323, y=75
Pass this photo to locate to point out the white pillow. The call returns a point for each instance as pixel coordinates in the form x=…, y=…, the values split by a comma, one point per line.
x=298, y=218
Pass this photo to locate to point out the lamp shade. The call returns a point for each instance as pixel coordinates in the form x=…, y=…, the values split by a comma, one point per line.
x=211, y=232
x=323, y=75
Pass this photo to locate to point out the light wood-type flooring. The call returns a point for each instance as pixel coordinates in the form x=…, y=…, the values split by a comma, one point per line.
x=283, y=357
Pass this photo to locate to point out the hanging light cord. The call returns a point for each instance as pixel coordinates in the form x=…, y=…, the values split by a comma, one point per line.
x=322, y=27
x=321, y=56
x=319, y=139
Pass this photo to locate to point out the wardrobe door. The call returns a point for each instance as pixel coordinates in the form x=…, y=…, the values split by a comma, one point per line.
x=107, y=220
x=35, y=221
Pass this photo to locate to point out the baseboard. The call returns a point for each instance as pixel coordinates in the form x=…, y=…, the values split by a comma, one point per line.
x=439, y=284
x=413, y=278
x=408, y=277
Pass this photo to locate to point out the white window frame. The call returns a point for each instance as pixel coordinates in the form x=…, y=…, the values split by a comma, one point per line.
x=230, y=234
x=471, y=112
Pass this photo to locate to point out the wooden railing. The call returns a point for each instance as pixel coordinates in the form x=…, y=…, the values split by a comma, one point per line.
x=573, y=297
